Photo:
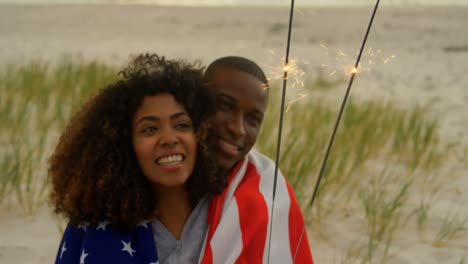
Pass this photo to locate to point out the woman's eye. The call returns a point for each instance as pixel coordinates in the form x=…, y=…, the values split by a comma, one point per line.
x=149, y=129
x=183, y=125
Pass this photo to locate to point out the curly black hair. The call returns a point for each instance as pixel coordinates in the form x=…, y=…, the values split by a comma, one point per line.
x=94, y=170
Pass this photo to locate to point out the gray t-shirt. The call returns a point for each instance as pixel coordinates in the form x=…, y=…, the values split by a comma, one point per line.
x=187, y=249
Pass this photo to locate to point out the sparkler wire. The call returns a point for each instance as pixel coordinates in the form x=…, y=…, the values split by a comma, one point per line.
x=280, y=128
x=337, y=123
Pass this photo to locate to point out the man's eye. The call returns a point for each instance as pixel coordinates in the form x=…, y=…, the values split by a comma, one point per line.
x=223, y=106
x=254, y=121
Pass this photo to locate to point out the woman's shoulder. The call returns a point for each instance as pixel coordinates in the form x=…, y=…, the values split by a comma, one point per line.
x=105, y=241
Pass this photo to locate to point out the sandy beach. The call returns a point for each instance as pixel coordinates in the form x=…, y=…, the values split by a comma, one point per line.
x=415, y=55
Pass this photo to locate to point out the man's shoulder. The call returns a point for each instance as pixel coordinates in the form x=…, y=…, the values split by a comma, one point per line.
x=262, y=163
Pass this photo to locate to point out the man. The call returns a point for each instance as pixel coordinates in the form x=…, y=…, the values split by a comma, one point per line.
x=240, y=218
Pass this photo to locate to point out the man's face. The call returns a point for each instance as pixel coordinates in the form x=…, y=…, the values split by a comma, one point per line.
x=241, y=101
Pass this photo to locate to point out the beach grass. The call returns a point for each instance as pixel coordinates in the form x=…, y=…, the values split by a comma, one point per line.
x=382, y=153
x=422, y=214
x=453, y=225
x=37, y=100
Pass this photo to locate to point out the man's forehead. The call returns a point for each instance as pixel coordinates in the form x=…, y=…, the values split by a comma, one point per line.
x=232, y=79
x=255, y=103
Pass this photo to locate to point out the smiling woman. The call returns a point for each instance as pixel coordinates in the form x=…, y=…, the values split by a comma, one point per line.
x=164, y=141
x=131, y=171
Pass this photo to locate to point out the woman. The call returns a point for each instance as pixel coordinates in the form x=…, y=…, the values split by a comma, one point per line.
x=131, y=172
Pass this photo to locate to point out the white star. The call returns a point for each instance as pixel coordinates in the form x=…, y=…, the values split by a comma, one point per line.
x=83, y=256
x=128, y=247
x=102, y=225
x=63, y=249
x=83, y=226
x=143, y=224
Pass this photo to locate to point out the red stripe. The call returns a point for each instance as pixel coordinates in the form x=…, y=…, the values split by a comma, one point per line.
x=296, y=224
x=253, y=217
x=208, y=257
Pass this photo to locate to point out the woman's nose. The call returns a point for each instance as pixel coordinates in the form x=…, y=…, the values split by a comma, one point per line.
x=168, y=138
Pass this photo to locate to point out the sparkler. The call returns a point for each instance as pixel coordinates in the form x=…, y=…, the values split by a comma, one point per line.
x=286, y=68
x=280, y=128
x=345, y=99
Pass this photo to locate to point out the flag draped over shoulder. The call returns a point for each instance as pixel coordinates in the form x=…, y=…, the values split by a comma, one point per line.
x=104, y=243
x=238, y=223
x=239, y=218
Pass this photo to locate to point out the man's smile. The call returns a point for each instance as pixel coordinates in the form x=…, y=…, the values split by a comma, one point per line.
x=228, y=148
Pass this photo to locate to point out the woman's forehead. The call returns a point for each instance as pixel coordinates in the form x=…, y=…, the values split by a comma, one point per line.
x=161, y=104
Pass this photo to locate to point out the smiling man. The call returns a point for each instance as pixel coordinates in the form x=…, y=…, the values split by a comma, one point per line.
x=241, y=216
x=241, y=100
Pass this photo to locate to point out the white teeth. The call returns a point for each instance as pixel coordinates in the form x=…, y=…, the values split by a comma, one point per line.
x=170, y=160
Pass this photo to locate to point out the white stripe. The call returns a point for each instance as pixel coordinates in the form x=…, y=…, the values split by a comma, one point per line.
x=233, y=186
x=226, y=243
x=280, y=245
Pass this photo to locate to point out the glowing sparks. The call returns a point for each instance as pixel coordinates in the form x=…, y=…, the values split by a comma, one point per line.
x=294, y=73
x=301, y=96
x=286, y=69
x=374, y=57
x=341, y=53
x=350, y=70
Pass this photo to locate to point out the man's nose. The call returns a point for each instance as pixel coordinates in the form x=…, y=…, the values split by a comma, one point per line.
x=236, y=125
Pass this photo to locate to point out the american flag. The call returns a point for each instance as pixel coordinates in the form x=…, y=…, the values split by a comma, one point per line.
x=240, y=218
x=104, y=243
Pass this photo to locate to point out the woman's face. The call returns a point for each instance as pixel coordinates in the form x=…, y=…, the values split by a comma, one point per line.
x=164, y=141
